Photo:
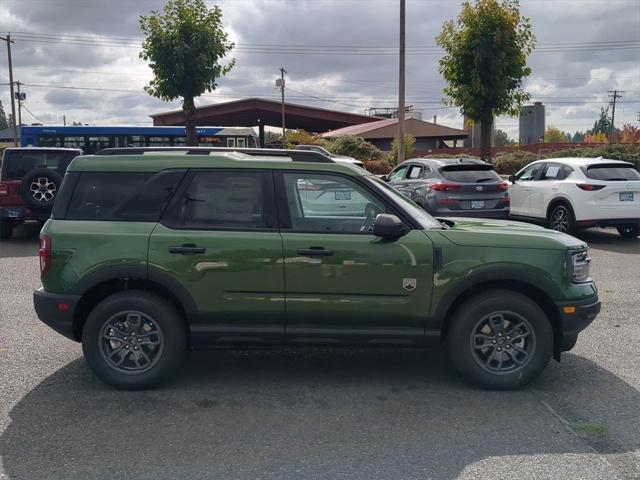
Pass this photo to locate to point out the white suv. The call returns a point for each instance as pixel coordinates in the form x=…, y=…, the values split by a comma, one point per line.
x=572, y=193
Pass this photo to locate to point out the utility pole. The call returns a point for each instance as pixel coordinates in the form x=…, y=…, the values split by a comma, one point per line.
x=20, y=97
x=13, y=99
x=280, y=83
x=401, y=86
x=614, y=94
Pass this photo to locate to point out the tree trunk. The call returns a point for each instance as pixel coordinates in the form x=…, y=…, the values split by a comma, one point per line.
x=189, y=109
x=486, y=124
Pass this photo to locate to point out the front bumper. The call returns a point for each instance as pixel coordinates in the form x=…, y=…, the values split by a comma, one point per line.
x=57, y=311
x=585, y=312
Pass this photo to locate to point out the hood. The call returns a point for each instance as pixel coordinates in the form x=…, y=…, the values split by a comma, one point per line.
x=506, y=234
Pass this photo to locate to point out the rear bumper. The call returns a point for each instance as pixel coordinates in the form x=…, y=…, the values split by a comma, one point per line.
x=585, y=312
x=56, y=311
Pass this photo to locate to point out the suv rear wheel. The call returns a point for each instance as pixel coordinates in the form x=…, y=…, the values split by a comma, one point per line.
x=500, y=340
x=134, y=340
x=39, y=188
x=629, y=230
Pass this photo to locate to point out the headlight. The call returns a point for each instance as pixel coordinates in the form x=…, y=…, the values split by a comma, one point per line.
x=579, y=263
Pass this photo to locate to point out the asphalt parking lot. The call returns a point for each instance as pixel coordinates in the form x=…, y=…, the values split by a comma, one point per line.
x=322, y=414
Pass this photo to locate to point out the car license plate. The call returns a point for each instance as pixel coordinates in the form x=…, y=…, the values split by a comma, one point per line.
x=626, y=196
x=477, y=203
x=343, y=195
x=13, y=212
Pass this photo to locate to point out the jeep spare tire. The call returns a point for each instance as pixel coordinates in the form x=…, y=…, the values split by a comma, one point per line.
x=39, y=188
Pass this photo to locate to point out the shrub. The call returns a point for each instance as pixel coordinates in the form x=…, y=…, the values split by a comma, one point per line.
x=354, y=146
x=378, y=167
x=509, y=163
x=409, y=140
x=630, y=153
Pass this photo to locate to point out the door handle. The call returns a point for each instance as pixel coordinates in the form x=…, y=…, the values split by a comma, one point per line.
x=315, y=252
x=187, y=249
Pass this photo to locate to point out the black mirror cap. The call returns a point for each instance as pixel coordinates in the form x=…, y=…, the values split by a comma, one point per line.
x=388, y=226
x=512, y=178
x=384, y=178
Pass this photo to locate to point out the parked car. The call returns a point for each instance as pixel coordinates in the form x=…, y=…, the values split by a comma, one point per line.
x=30, y=178
x=146, y=256
x=573, y=193
x=333, y=156
x=452, y=187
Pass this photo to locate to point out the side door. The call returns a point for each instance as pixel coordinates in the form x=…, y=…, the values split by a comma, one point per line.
x=220, y=241
x=547, y=189
x=342, y=282
x=522, y=190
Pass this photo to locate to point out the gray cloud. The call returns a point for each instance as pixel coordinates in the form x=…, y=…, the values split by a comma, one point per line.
x=351, y=82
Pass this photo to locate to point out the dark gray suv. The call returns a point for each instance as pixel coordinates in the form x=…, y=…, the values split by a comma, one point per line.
x=452, y=187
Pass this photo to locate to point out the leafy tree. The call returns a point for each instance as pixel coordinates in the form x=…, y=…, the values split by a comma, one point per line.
x=485, y=60
x=354, y=146
x=184, y=45
x=555, y=135
x=299, y=137
x=3, y=118
x=599, y=137
x=578, y=137
x=603, y=124
x=502, y=139
x=409, y=141
x=630, y=134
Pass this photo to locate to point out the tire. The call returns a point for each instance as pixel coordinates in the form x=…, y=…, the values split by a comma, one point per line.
x=6, y=229
x=561, y=219
x=116, y=317
x=39, y=188
x=629, y=230
x=484, y=356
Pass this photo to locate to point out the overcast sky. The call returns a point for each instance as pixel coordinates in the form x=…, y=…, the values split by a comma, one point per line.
x=340, y=54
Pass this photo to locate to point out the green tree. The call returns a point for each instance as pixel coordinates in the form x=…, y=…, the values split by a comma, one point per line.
x=554, y=135
x=485, y=60
x=185, y=45
x=354, y=146
x=502, y=139
x=3, y=118
x=603, y=124
x=409, y=141
x=578, y=137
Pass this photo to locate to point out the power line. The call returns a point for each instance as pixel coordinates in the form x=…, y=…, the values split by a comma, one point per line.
x=31, y=113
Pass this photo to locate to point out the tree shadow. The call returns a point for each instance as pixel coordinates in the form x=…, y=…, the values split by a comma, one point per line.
x=308, y=414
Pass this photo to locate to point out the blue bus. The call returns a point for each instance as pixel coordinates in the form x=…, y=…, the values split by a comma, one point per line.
x=90, y=139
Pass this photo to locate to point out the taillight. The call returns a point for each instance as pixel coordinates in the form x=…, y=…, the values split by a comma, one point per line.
x=504, y=200
x=4, y=189
x=44, y=252
x=590, y=187
x=503, y=186
x=441, y=187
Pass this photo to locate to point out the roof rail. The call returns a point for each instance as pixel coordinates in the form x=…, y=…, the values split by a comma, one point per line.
x=294, y=155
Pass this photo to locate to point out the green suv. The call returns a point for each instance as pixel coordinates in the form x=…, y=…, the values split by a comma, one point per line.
x=147, y=256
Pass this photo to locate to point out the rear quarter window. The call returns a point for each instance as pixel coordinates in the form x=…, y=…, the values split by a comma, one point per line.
x=612, y=172
x=469, y=173
x=118, y=196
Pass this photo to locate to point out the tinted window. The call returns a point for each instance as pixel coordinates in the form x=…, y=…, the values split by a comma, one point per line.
x=227, y=200
x=17, y=163
x=554, y=171
x=329, y=203
x=469, y=173
x=529, y=173
x=613, y=172
x=139, y=197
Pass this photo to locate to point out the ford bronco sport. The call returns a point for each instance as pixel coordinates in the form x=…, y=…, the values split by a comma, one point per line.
x=149, y=255
x=29, y=181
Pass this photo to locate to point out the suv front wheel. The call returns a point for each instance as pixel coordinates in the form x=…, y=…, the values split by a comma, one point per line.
x=134, y=340
x=500, y=340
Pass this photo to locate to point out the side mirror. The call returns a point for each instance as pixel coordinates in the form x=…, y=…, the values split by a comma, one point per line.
x=384, y=178
x=388, y=226
x=512, y=178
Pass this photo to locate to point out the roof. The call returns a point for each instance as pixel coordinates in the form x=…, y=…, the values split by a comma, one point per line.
x=157, y=161
x=44, y=149
x=387, y=128
x=8, y=133
x=258, y=111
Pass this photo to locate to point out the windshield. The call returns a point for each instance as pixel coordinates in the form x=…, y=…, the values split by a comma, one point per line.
x=469, y=173
x=613, y=172
x=417, y=213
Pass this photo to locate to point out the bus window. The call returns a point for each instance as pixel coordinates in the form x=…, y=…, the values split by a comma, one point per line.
x=98, y=143
x=49, y=141
x=241, y=143
x=231, y=142
x=179, y=141
x=159, y=141
x=136, y=141
x=210, y=141
x=75, y=142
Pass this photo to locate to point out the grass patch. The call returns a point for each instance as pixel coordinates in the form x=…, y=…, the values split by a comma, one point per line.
x=592, y=428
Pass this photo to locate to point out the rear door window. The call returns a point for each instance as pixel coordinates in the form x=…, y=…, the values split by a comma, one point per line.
x=555, y=171
x=612, y=172
x=139, y=197
x=415, y=171
x=469, y=173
